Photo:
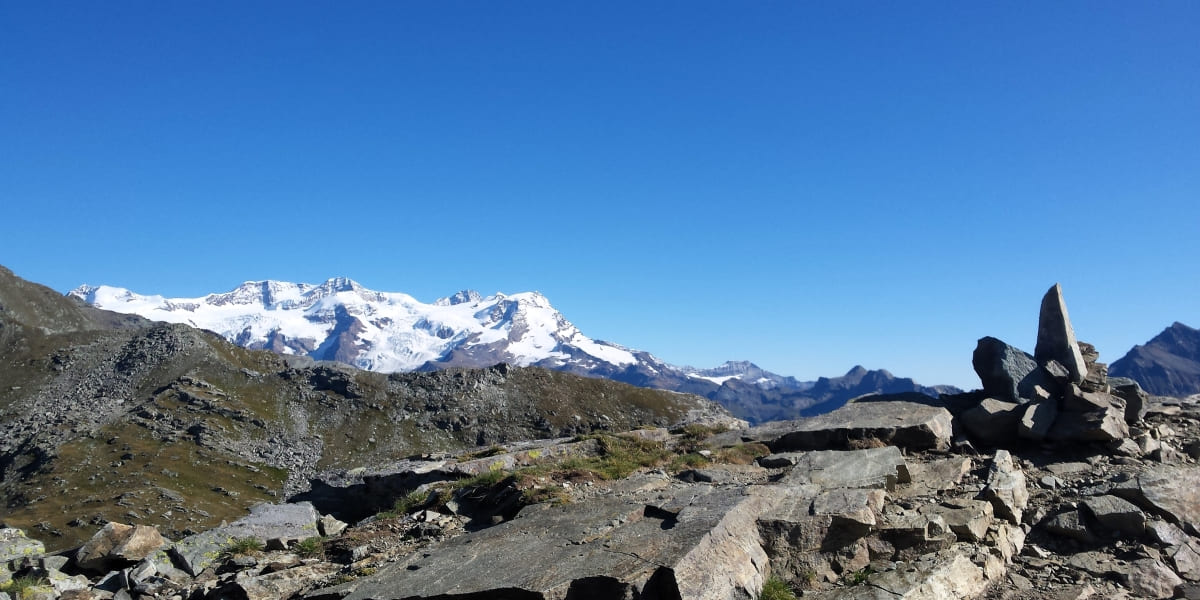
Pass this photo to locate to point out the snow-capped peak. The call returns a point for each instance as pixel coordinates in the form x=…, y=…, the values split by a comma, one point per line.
x=383, y=331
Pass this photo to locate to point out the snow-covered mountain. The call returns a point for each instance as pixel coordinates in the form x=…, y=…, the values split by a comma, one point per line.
x=343, y=321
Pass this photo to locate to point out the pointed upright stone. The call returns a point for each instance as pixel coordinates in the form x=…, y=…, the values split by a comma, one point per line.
x=1056, y=338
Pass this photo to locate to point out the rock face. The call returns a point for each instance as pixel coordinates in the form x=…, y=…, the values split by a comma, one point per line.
x=1056, y=336
x=641, y=546
x=1167, y=365
x=903, y=420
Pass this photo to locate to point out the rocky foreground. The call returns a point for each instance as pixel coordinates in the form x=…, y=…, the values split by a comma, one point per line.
x=878, y=499
x=1052, y=482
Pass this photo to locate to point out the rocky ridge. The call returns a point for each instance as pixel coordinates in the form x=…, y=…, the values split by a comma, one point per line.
x=1167, y=365
x=890, y=496
x=109, y=417
x=340, y=320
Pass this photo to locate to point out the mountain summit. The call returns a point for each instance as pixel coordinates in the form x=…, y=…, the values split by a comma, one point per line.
x=379, y=331
x=340, y=320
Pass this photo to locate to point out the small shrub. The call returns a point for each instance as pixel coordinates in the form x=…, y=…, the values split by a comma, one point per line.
x=553, y=494
x=16, y=588
x=410, y=502
x=776, y=589
x=858, y=577
x=244, y=546
x=313, y=547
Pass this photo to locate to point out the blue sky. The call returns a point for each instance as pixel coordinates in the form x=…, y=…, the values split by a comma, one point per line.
x=806, y=185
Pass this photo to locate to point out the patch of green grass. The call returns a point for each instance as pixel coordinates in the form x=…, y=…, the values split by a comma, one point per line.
x=741, y=454
x=688, y=461
x=553, y=494
x=244, y=547
x=696, y=431
x=619, y=457
x=17, y=587
x=858, y=577
x=313, y=547
x=776, y=589
x=408, y=503
x=485, y=480
x=486, y=452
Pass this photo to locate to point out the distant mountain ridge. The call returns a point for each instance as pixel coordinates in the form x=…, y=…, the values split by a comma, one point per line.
x=342, y=321
x=1167, y=365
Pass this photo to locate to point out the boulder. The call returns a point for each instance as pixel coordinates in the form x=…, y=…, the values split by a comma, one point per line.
x=993, y=421
x=1071, y=524
x=968, y=519
x=14, y=544
x=1117, y=515
x=1150, y=578
x=265, y=521
x=330, y=526
x=1077, y=400
x=1037, y=419
x=1186, y=560
x=879, y=468
x=1005, y=371
x=1170, y=492
x=911, y=425
x=1106, y=425
x=693, y=542
x=1006, y=488
x=277, y=584
x=912, y=534
x=932, y=476
x=1137, y=402
x=947, y=575
x=118, y=545
x=1056, y=337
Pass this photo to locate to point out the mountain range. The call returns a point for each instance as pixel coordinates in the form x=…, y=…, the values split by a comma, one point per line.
x=182, y=427
x=1167, y=365
x=340, y=320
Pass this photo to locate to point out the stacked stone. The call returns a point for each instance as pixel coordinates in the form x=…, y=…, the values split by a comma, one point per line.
x=1060, y=393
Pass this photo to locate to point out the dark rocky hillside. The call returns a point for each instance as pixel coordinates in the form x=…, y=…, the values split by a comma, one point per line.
x=1168, y=365
x=111, y=417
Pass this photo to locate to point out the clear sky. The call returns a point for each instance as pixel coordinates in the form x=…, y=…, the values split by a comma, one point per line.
x=807, y=185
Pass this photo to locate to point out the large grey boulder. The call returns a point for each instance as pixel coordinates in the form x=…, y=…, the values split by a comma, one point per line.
x=1117, y=515
x=1056, y=337
x=913, y=425
x=15, y=544
x=1107, y=425
x=1005, y=371
x=693, y=542
x=993, y=421
x=266, y=521
x=118, y=545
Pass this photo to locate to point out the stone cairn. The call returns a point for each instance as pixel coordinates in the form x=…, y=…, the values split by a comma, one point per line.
x=1061, y=393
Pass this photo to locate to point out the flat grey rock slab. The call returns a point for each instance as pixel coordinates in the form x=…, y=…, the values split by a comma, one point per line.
x=1172, y=492
x=879, y=468
x=266, y=521
x=688, y=541
x=914, y=425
